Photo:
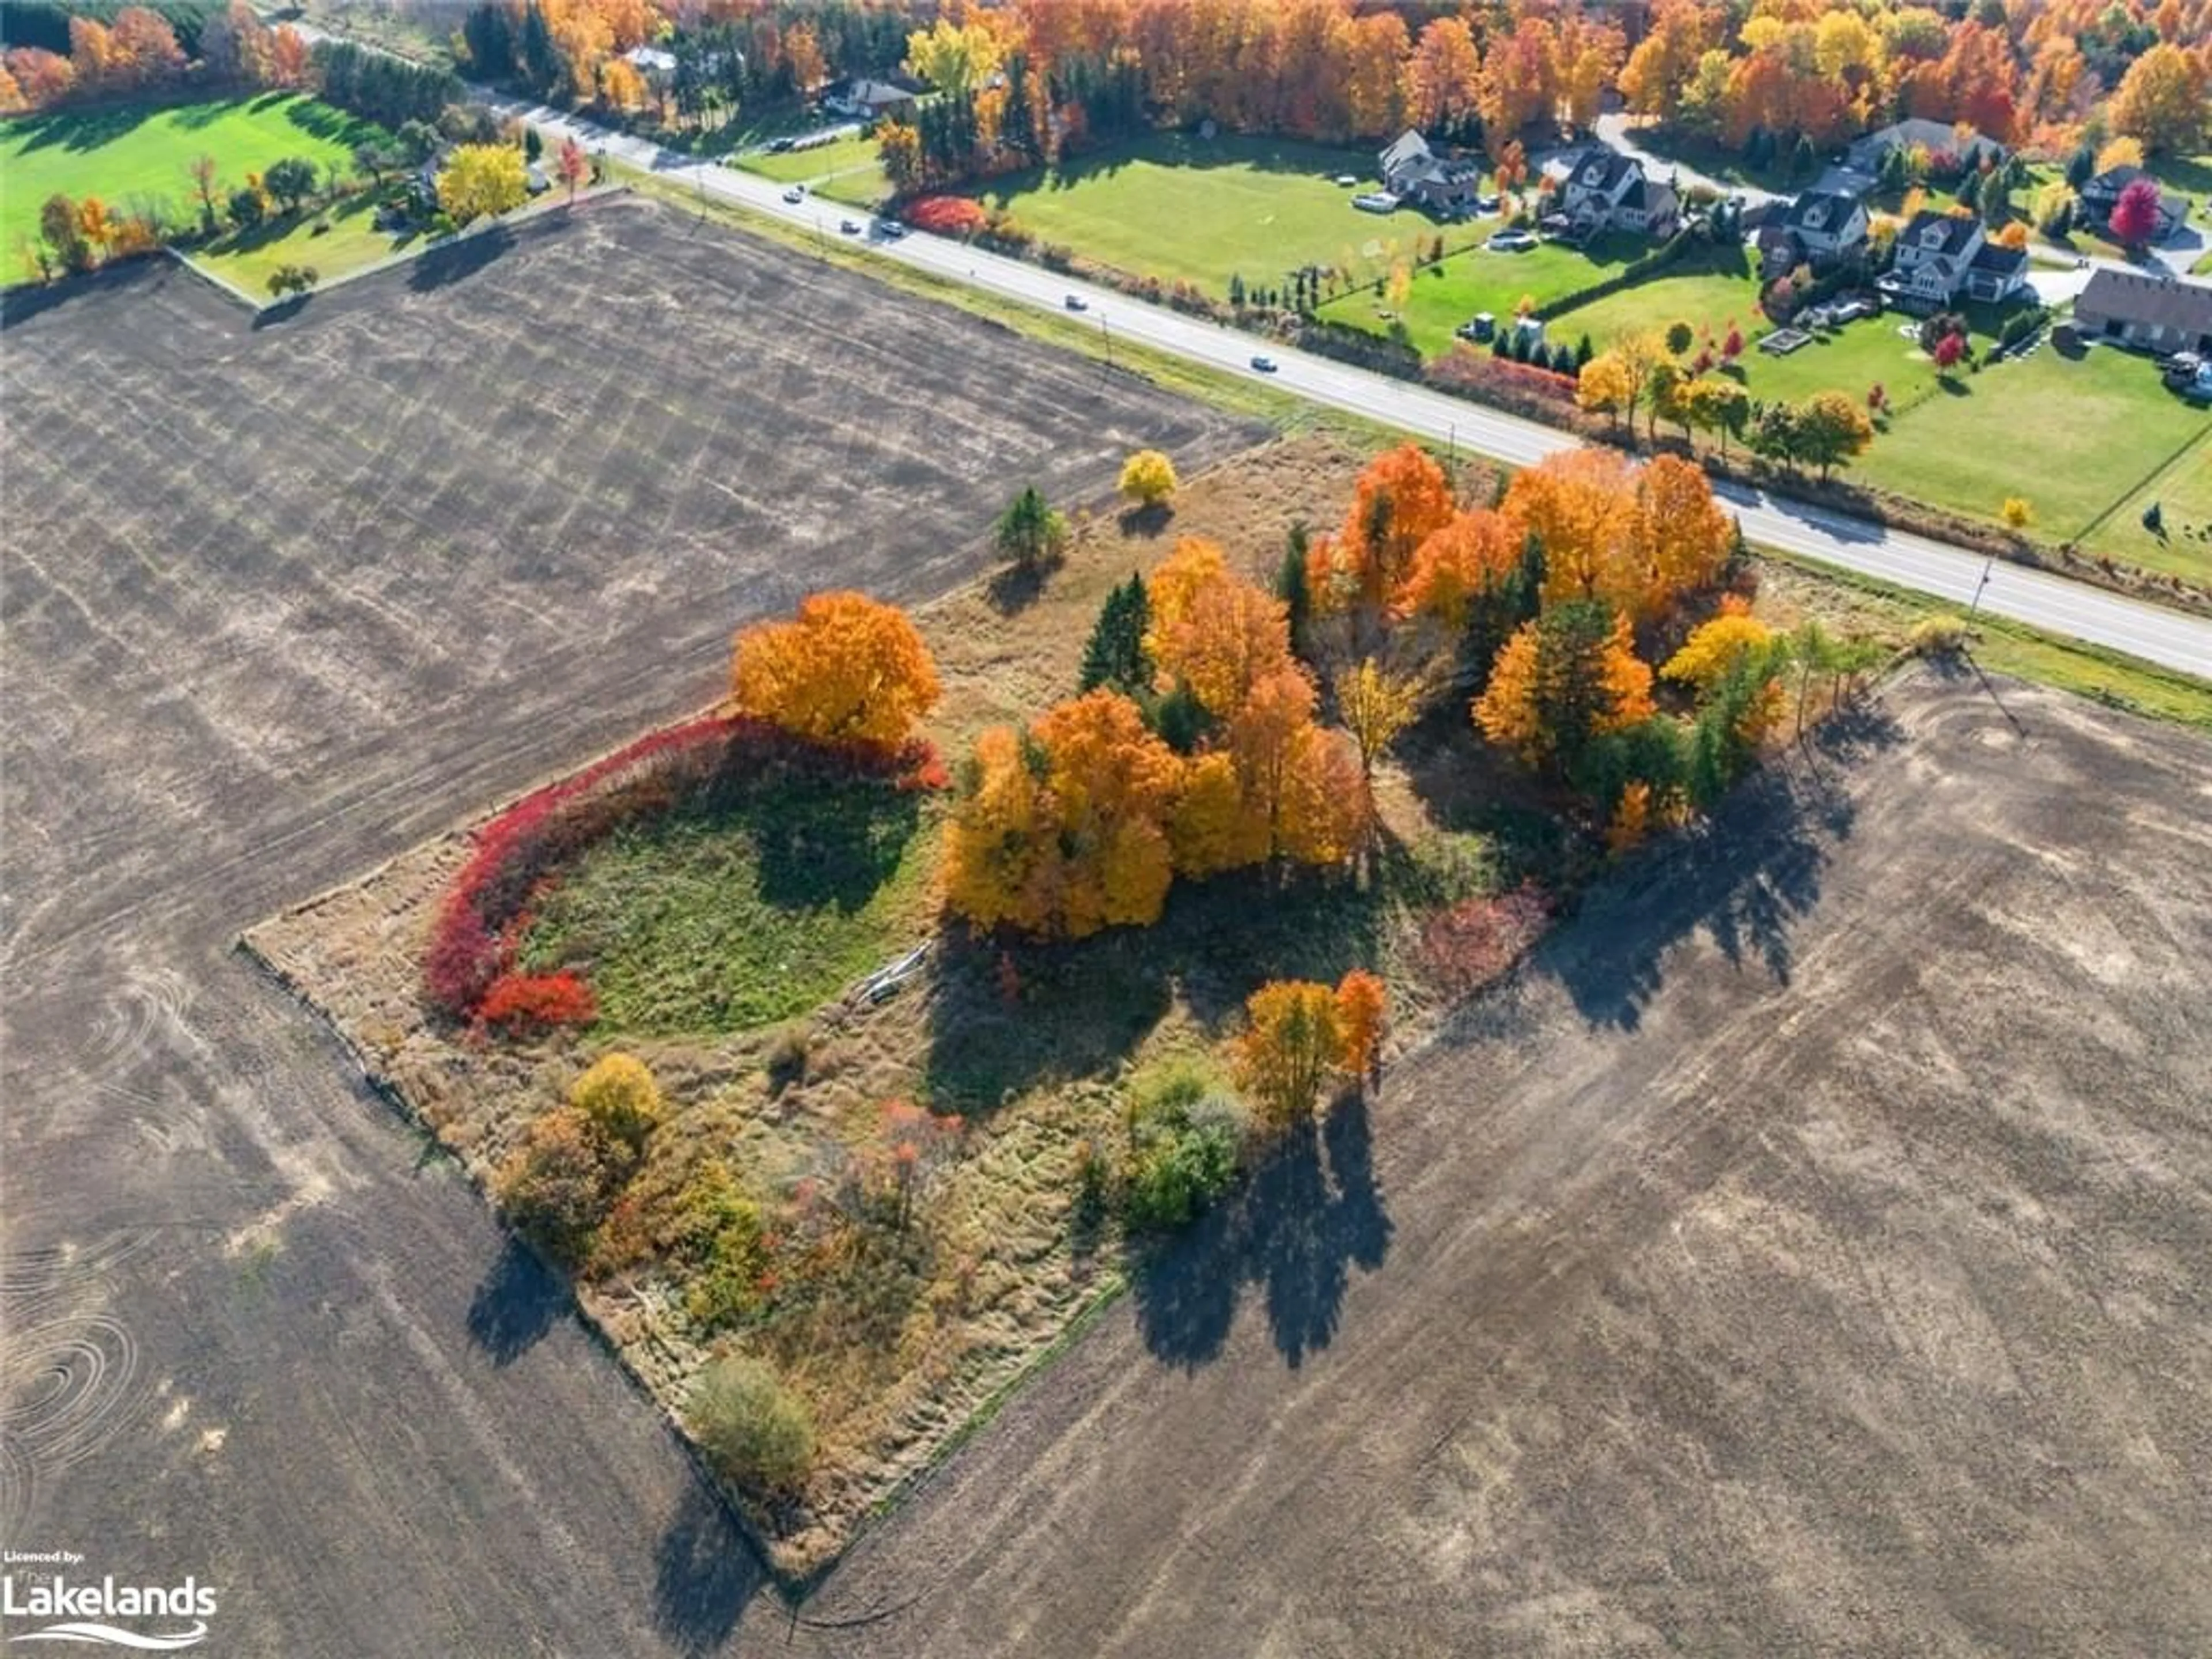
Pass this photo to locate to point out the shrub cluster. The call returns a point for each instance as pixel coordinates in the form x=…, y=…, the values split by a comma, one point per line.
x=468, y=971
x=1186, y=1139
x=472, y=946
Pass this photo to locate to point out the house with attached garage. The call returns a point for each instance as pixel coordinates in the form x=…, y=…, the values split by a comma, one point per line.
x=1605, y=189
x=1412, y=172
x=1819, y=230
x=1943, y=258
x=1964, y=147
x=2161, y=313
x=2102, y=194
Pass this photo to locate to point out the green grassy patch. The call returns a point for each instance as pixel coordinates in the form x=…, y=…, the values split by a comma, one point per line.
x=1178, y=207
x=140, y=153
x=1861, y=607
x=350, y=242
x=2183, y=491
x=733, y=916
x=805, y=166
x=1446, y=295
x=2071, y=435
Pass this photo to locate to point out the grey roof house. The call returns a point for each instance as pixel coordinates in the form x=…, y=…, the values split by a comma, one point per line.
x=1412, y=172
x=2153, y=313
x=1936, y=137
x=2102, y=194
x=1942, y=258
x=1606, y=190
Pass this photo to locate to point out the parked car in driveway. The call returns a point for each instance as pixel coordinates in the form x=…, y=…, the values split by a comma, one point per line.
x=1265, y=365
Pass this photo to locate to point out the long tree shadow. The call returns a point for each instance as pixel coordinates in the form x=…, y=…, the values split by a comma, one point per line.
x=457, y=261
x=705, y=1574
x=1310, y=1214
x=1744, y=879
x=1005, y=1019
x=519, y=1302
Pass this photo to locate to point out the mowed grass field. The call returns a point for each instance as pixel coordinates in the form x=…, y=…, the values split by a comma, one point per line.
x=1445, y=296
x=2071, y=435
x=2183, y=491
x=353, y=241
x=141, y=152
x=1176, y=206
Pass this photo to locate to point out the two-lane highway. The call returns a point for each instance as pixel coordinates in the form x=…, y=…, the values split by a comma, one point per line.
x=1953, y=575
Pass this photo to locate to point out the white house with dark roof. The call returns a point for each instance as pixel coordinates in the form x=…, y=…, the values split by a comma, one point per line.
x=1817, y=231
x=1942, y=258
x=1606, y=190
x=1412, y=172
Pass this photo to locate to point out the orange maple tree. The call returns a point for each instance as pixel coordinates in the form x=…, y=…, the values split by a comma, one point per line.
x=1400, y=501
x=847, y=669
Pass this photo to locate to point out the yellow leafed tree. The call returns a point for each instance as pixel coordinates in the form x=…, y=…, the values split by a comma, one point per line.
x=482, y=180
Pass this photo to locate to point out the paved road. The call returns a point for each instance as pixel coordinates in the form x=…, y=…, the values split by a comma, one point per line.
x=1918, y=563
x=1618, y=129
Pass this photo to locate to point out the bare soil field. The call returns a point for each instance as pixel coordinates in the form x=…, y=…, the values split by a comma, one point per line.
x=280, y=602
x=1804, y=1255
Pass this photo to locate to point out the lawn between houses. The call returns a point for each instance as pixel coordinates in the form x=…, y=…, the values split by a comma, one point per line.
x=139, y=152
x=722, y=941
x=1182, y=208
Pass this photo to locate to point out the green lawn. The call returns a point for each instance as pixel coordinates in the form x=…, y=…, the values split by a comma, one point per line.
x=141, y=152
x=2183, y=493
x=2070, y=435
x=732, y=918
x=1445, y=296
x=805, y=166
x=246, y=258
x=1176, y=206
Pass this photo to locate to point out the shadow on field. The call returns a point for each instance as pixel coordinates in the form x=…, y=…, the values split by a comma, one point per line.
x=455, y=262
x=1308, y=1216
x=705, y=1574
x=519, y=1302
x=1005, y=1020
x=1745, y=880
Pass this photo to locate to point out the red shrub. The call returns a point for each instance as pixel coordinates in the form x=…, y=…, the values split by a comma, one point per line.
x=946, y=215
x=521, y=1004
x=482, y=919
x=471, y=944
x=1479, y=939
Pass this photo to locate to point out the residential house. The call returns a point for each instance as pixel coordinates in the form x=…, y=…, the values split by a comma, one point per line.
x=1412, y=172
x=1942, y=258
x=1938, y=138
x=1846, y=181
x=869, y=100
x=2102, y=194
x=1819, y=230
x=2153, y=313
x=1606, y=190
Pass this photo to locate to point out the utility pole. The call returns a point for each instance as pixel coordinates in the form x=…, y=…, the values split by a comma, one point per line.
x=1980, y=585
x=1109, y=334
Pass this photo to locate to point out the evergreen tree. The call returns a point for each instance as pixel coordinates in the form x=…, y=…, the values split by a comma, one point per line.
x=1498, y=609
x=1290, y=588
x=2081, y=166
x=539, y=57
x=1583, y=352
x=1116, y=656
